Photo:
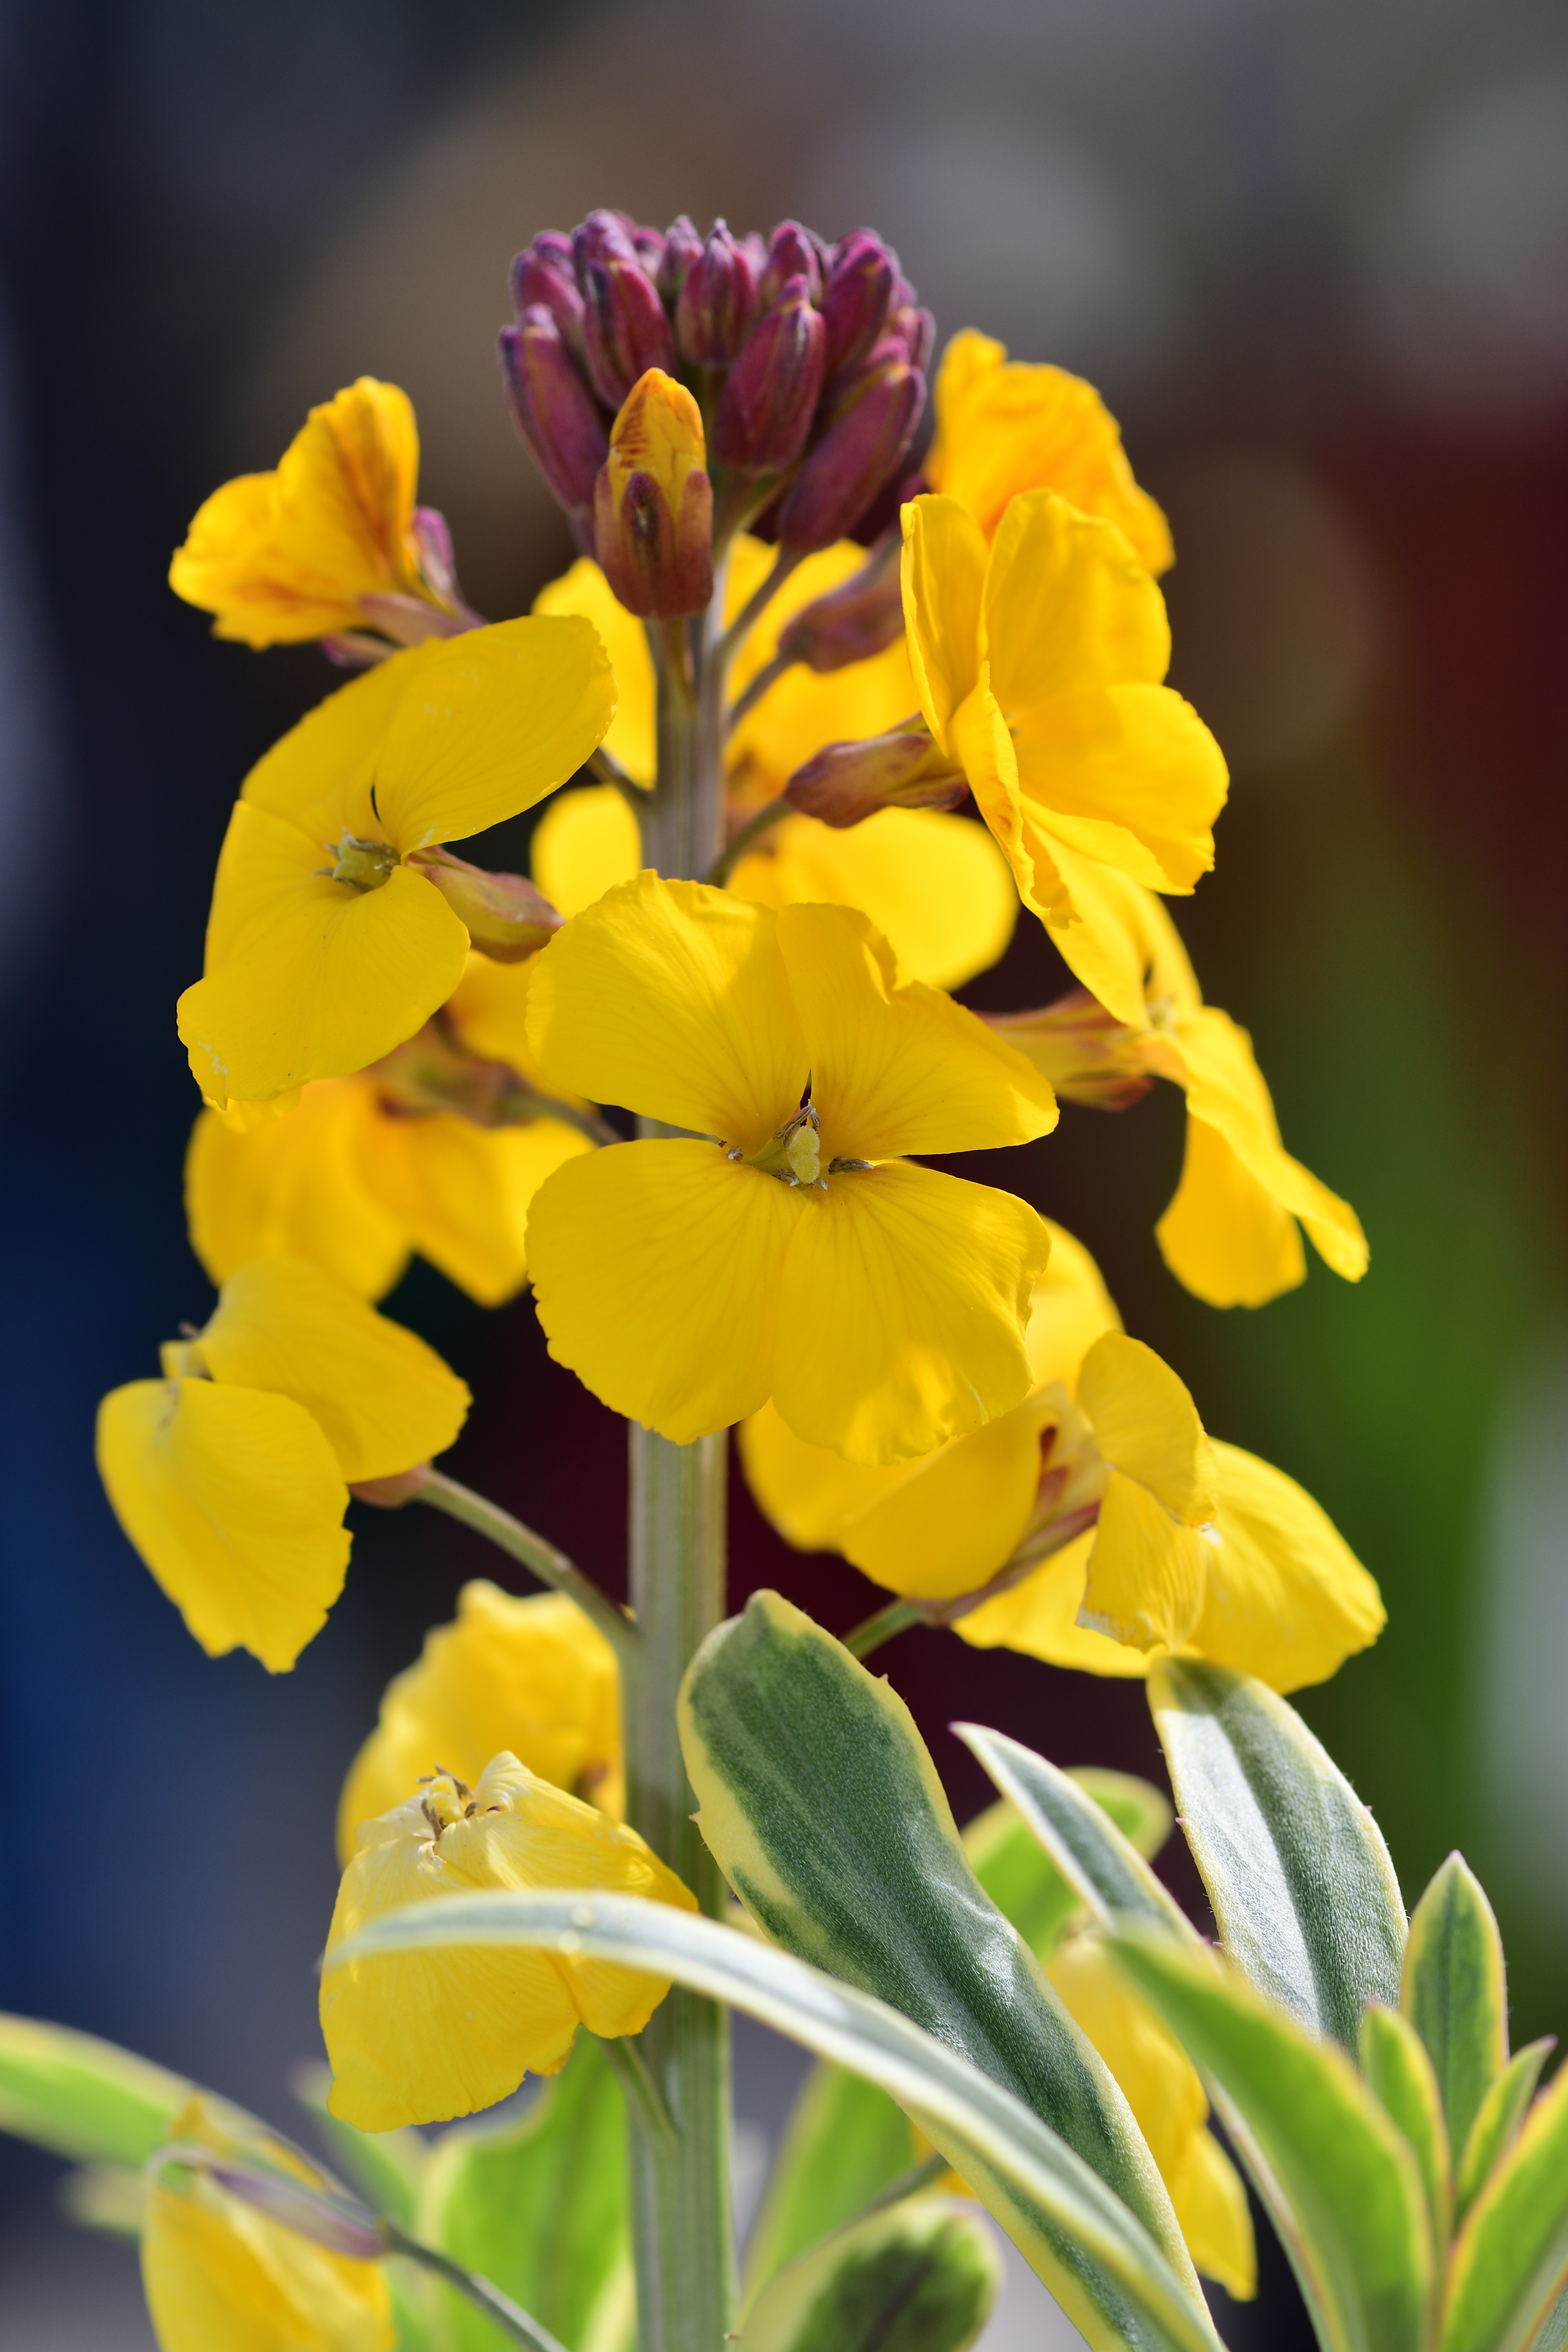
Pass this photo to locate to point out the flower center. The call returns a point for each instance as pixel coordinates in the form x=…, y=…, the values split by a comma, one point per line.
x=363, y=865
x=794, y=1154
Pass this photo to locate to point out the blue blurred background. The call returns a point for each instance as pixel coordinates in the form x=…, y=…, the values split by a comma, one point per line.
x=1315, y=252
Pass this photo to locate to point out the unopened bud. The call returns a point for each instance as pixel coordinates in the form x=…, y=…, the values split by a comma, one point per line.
x=653, y=507
x=647, y=244
x=545, y=277
x=625, y=331
x=717, y=303
x=792, y=252
x=603, y=232
x=506, y=917
x=390, y=1493
x=857, y=299
x=852, y=623
x=846, y=782
x=770, y=395
x=340, y=2224
x=865, y=440
x=1088, y=1055
x=553, y=409
x=910, y=334
x=683, y=250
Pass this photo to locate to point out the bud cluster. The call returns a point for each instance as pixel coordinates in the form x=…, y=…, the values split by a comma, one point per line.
x=806, y=363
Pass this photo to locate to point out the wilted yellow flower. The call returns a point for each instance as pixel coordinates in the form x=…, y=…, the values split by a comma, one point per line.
x=1230, y=1233
x=1039, y=662
x=1167, y=2100
x=532, y=1677
x=417, y=2036
x=787, y=1248
x=360, y=1173
x=288, y=555
x=230, y=1474
x=217, y=2273
x=314, y=969
x=1002, y=426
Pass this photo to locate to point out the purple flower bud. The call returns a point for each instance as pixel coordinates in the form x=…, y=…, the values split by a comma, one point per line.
x=603, y=232
x=792, y=253
x=914, y=332
x=770, y=395
x=866, y=439
x=853, y=622
x=717, y=302
x=554, y=411
x=858, y=297
x=682, y=249
x=543, y=276
x=625, y=331
x=844, y=784
x=648, y=246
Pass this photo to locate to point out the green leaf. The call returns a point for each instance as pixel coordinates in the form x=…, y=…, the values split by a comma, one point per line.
x=1358, y=2231
x=1066, y=1813
x=1394, y=2060
x=920, y=2276
x=1115, y=2282
x=1510, y=2263
x=847, y=2141
x=1498, y=2119
x=1455, y=1992
x=538, y=2205
x=822, y=1808
x=386, y=2168
x=82, y=2097
x=1303, y=1890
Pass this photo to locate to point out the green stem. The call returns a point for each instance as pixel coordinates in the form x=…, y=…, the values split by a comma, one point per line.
x=766, y=817
x=748, y=699
x=899, y=1615
x=499, y=2309
x=520, y=1543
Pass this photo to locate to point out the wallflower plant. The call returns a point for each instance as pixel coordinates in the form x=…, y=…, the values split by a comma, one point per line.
x=837, y=683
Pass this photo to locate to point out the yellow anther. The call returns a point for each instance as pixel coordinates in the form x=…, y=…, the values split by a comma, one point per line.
x=804, y=1153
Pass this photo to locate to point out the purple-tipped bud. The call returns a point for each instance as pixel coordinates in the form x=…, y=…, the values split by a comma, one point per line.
x=554, y=411
x=858, y=297
x=602, y=232
x=792, y=253
x=543, y=277
x=683, y=250
x=770, y=395
x=914, y=331
x=852, y=623
x=846, y=782
x=625, y=331
x=717, y=302
x=648, y=246
x=864, y=442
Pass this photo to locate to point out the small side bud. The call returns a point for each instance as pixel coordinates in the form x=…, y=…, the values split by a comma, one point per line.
x=792, y=252
x=846, y=782
x=390, y=1493
x=506, y=917
x=770, y=395
x=852, y=623
x=553, y=409
x=866, y=436
x=1088, y=1055
x=545, y=277
x=625, y=330
x=718, y=302
x=653, y=505
x=857, y=299
x=682, y=251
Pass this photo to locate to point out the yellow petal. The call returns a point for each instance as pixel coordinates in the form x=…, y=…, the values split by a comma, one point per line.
x=585, y=842
x=234, y=1500
x=901, y=1311
x=1287, y=1599
x=1004, y=427
x=382, y=1399
x=1083, y=908
x=295, y=1184
x=1147, y=1570
x=1146, y=1424
x=1039, y=1617
x=462, y=1192
x=1072, y=1310
x=318, y=775
x=670, y=999
x=533, y=1676
x=944, y=562
x=217, y=2272
x=1068, y=607
x=1225, y=1235
x=323, y=979
x=1210, y=2201
x=656, y=1270
x=1126, y=774
x=630, y=738
x=897, y=1070
x=933, y=884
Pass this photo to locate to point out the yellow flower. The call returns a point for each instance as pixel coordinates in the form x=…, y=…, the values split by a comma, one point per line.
x=312, y=970
x=629, y=739
x=1002, y=426
x=357, y=1175
x=1171, y=2112
x=217, y=2273
x=533, y=1676
x=1230, y=1233
x=230, y=1474
x=1038, y=663
x=288, y=555
x=415, y=2037
x=787, y=1248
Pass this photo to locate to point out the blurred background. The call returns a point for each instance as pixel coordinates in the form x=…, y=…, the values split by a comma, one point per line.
x=1315, y=253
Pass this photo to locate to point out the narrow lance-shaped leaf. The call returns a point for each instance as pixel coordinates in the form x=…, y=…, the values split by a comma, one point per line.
x=825, y=1811
x=82, y=2097
x=1359, y=2235
x=1302, y=1888
x=920, y=2277
x=1031, y=2180
x=1394, y=2060
x=1455, y=1993
x=1100, y=1863
x=1497, y=2124
x=1510, y=2264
